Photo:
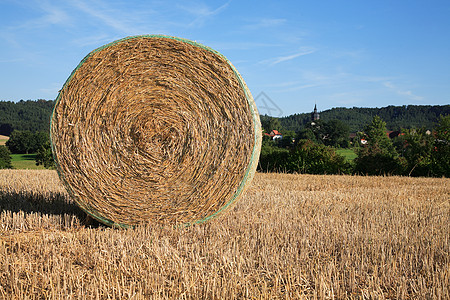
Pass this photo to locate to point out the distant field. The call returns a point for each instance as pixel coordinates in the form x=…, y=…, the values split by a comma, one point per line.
x=3, y=139
x=289, y=237
x=349, y=154
x=25, y=161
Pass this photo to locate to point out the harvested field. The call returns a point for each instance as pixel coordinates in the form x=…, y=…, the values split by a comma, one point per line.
x=290, y=236
x=3, y=139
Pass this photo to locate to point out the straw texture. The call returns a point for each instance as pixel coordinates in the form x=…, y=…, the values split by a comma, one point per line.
x=155, y=129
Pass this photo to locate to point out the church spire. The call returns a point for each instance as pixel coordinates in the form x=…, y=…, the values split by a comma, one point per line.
x=315, y=115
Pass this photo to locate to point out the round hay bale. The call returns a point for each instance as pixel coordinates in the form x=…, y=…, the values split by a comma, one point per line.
x=155, y=129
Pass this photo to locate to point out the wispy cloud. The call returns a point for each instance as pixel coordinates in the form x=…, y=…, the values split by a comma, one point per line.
x=353, y=54
x=91, y=40
x=349, y=98
x=230, y=45
x=201, y=12
x=290, y=57
x=341, y=77
x=51, y=91
x=289, y=86
x=280, y=59
x=285, y=84
x=402, y=92
x=50, y=15
x=300, y=87
x=105, y=15
x=265, y=23
x=367, y=78
x=12, y=60
x=53, y=15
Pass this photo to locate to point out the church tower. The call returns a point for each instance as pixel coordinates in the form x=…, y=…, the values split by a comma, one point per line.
x=315, y=115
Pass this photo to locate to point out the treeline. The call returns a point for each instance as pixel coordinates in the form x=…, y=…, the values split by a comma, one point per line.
x=27, y=142
x=27, y=123
x=25, y=116
x=35, y=116
x=396, y=117
x=414, y=152
x=421, y=149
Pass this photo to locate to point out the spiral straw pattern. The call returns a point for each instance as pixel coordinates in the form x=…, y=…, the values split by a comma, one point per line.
x=155, y=129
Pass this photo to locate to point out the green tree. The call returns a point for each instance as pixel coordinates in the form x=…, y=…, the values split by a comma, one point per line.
x=377, y=138
x=20, y=142
x=44, y=156
x=336, y=133
x=272, y=158
x=417, y=150
x=6, y=129
x=313, y=158
x=26, y=141
x=287, y=140
x=25, y=115
x=441, y=150
x=269, y=123
x=41, y=139
x=5, y=158
x=312, y=131
x=378, y=156
x=306, y=157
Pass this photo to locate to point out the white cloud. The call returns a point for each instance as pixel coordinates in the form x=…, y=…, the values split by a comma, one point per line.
x=50, y=92
x=12, y=60
x=201, y=12
x=290, y=57
x=300, y=87
x=350, y=98
x=402, y=92
x=389, y=85
x=48, y=15
x=265, y=23
x=92, y=40
x=229, y=45
x=54, y=15
x=280, y=59
x=410, y=95
x=289, y=86
x=100, y=11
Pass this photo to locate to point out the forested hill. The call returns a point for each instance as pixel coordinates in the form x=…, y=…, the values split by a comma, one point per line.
x=35, y=116
x=396, y=117
x=25, y=115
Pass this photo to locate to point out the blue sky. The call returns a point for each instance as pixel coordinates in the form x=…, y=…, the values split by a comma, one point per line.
x=298, y=53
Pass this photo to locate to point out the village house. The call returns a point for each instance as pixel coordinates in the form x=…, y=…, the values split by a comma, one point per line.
x=274, y=134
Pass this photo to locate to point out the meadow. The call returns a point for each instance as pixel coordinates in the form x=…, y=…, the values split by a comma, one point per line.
x=289, y=237
x=349, y=154
x=25, y=161
x=22, y=161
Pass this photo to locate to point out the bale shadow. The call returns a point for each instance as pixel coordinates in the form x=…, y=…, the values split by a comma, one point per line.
x=48, y=203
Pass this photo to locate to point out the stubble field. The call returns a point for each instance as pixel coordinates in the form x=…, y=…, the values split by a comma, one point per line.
x=3, y=139
x=290, y=236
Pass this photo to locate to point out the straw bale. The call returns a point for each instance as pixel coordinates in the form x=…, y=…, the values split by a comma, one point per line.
x=155, y=129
